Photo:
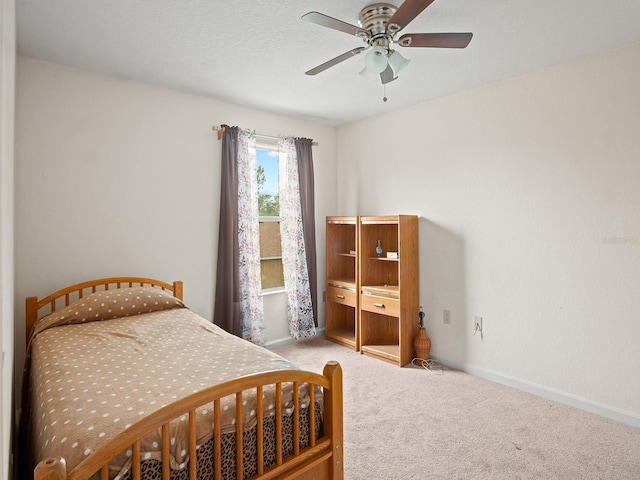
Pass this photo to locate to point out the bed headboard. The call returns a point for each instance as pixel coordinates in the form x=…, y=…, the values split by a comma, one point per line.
x=36, y=309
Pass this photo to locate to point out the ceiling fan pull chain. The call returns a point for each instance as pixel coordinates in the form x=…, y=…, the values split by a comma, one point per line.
x=384, y=92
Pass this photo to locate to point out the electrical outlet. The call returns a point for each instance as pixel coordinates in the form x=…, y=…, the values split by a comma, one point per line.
x=477, y=324
x=446, y=317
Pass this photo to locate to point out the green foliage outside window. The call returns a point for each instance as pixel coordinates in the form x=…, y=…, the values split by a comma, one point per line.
x=268, y=204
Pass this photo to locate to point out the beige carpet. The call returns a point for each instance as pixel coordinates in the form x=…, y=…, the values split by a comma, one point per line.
x=410, y=423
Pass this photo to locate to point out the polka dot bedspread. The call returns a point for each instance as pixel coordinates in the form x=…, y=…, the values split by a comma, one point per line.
x=114, y=357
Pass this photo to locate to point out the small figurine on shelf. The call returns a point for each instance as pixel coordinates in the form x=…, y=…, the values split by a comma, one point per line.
x=379, y=249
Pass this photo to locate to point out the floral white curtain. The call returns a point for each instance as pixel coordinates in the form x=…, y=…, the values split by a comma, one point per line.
x=249, y=240
x=294, y=263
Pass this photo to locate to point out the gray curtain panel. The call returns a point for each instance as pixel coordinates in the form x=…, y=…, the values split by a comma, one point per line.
x=307, y=203
x=227, y=311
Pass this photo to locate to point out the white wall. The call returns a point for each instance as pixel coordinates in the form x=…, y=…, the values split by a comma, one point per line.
x=7, y=90
x=119, y=178
x=528, y=196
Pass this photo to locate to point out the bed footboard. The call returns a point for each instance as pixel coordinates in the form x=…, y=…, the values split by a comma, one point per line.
x=320, y=459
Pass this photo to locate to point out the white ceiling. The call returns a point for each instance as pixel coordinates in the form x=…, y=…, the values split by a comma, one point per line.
x=255, y=52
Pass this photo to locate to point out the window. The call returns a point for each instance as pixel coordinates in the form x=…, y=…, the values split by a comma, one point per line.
x=269, y=211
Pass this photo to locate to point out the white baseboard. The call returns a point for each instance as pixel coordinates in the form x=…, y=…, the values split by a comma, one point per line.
x=281, y=342
x=587, y=405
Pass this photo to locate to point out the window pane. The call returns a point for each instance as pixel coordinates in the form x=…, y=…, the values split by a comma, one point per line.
x=269, y=206
x=271, y=255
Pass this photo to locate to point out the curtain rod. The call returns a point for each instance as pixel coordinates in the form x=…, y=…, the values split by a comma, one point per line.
x=220, y=130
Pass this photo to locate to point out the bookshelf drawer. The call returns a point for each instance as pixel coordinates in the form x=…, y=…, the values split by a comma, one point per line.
x=381, y=305
x=341, y=295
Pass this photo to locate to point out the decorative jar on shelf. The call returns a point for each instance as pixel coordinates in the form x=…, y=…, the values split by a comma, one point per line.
x=379, y=249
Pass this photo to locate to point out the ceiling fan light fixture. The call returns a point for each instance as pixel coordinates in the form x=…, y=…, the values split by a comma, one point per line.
x=376, y=60
x=397, y=62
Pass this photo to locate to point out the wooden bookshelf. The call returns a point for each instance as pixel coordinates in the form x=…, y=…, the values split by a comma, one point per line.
x=342, y=312
x=388, y=292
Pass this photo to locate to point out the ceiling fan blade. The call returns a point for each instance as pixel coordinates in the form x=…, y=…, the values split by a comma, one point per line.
x=409, y=10
x=387, y=75
x=330, y=22
x=335, y=61
x=435, y=40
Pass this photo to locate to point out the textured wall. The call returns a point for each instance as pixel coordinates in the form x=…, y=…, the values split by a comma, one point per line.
x=528, y=193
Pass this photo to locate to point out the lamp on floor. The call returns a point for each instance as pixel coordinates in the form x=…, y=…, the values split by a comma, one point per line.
x=422, y=342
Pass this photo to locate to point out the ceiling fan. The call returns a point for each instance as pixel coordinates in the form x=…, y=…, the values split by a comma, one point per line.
x=379, y=23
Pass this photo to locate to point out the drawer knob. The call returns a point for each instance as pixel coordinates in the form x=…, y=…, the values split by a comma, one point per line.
x=341, y=297
x=378, y=305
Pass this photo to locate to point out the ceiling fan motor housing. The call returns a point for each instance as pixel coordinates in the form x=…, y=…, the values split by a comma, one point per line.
x=375, y=17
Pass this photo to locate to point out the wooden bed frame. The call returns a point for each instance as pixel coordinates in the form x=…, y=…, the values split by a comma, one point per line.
x=321, y=460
